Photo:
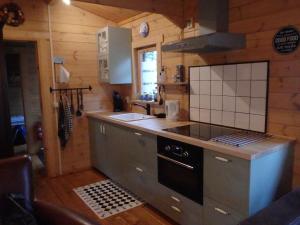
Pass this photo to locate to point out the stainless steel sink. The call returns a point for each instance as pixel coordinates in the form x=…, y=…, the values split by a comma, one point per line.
x=127, y=117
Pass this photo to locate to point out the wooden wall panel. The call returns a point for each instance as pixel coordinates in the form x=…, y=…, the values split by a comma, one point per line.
x=259, y=20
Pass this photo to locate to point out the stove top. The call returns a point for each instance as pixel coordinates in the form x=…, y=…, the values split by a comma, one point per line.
x=203, y=131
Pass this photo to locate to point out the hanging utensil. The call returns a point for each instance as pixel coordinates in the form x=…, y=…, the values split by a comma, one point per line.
x=72, y=103
x=81, y=100
x=78, y=113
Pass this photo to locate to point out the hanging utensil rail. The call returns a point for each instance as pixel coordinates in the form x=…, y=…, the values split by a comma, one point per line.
x=69, y=89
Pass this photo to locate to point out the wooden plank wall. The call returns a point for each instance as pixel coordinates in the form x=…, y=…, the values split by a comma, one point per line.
x=259, y=20
x=74, y=38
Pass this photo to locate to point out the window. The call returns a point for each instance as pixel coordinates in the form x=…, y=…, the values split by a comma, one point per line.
x=147, y=64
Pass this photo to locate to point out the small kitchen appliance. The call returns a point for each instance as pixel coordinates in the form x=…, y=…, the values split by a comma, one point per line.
x=117, y=102
x=172, y=108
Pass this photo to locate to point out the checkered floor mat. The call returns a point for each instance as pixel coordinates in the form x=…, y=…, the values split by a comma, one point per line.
x=106, y=198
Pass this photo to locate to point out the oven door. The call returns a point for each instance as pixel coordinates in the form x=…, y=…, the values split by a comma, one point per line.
x=180, y=177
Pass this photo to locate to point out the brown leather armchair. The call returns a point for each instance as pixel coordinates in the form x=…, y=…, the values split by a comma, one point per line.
x=16, y=177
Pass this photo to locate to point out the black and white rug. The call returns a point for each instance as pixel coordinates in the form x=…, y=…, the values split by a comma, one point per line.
x=106, y=198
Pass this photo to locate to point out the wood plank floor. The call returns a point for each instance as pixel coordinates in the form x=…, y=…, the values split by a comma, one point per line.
x=59, y=191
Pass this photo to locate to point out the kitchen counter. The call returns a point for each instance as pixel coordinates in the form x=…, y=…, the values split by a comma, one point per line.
x=155, y=126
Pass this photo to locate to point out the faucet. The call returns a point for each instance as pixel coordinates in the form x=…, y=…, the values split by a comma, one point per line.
x=147, y=107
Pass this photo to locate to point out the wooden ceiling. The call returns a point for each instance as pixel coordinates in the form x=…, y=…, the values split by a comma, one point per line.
x=114, y=14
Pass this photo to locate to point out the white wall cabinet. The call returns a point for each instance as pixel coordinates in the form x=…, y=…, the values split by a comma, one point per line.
x=114, y=55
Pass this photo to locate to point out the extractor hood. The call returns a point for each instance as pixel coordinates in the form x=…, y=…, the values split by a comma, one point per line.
x=214, y=36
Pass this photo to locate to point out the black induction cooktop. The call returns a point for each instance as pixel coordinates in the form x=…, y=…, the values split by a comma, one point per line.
x=202, y=131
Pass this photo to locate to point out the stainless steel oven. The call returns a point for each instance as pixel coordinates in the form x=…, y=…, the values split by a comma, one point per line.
x=180, y=168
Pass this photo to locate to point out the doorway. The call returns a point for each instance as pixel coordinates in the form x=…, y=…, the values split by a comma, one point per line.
x=24, y=100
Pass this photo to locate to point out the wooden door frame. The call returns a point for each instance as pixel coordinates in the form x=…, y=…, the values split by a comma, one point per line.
x=5, y=125
x=49, y=121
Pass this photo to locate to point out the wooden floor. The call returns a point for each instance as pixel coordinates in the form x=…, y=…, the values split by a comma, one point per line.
x=59, y=191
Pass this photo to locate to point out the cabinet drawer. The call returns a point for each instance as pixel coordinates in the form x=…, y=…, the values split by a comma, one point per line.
x=142, y=148
x=216, y=214
x=182, y=210
x=226, y=180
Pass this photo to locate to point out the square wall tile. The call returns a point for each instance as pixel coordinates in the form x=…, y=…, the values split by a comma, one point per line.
x=195, y=87
x=229, y=72
x=205, y=115
x=258, y=106
x=228, y=119
x=194, y=114
x=204, y=87
x=259, y=71
x=242, y=121
x=229, y=88
x=243, y=88
x=258, y=89
x=217, y=73
x=257, y=123
x=194, y=73
x=205, y=101
x=216, y=102
x=243, y=104
x=229, y=103
x=216, y=117
x=217, y=88
x=205, y=73
x=244, y=71
x=194, y=101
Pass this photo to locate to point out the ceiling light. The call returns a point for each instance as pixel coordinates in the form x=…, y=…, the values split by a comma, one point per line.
x=67, y=2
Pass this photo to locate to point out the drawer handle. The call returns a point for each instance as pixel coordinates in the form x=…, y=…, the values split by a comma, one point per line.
x=137, y=134
x=222, y=211
x=222, y=159
x=139, y=170
x=176, y=209
x=175, y=199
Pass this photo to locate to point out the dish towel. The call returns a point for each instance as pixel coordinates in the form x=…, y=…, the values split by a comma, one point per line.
x=65, y=121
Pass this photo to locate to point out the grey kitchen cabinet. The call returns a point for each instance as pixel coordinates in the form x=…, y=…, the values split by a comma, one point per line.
x=98, y=145
x=115, y=55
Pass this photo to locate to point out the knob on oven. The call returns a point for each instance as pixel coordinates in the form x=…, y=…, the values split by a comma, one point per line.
x=185, y=154
x=167, y=148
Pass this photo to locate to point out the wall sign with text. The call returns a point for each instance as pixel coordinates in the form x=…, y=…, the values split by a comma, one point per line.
x=286, y=40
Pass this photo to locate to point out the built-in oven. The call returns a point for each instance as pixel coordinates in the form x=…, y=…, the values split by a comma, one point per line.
x=180, y=168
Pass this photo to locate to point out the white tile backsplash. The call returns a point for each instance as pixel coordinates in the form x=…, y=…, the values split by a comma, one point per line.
x=194, y=73
x=216, y=102
x=243, y=88
x=259, y=71
x=205, y=115
x=205, y=101
x=205, y=73
x=228, y=119
x=242, y=121
x=204, y=87
x=216, y=117
x=216, y=88
x=232, y=95
x=244, y=71
x=195, y=88
x=229, y=88
x=258, y=106
x=229, y=72
x=242, y=104
x=257, y=122
x=258, y=89
x=194, y=101
x=217, y=73
x=194, y=114
x=229, y=103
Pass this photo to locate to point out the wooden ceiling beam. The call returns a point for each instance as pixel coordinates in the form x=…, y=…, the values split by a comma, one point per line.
x=172, y=9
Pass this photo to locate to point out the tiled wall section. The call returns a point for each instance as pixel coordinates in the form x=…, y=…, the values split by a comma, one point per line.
x=232, y=95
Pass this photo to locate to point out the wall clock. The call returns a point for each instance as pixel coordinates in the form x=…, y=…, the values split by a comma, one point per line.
x=144, y=29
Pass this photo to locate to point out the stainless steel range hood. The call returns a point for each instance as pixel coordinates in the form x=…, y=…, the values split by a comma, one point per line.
x=214, y=36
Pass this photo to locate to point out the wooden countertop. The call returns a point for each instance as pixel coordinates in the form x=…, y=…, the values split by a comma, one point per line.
x=155, y=126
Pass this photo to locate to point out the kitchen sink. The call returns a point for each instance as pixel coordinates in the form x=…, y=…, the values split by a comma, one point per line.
x=127, y=117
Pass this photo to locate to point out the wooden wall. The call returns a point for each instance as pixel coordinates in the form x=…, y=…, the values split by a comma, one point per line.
x=259, y=20
x=74, y=38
